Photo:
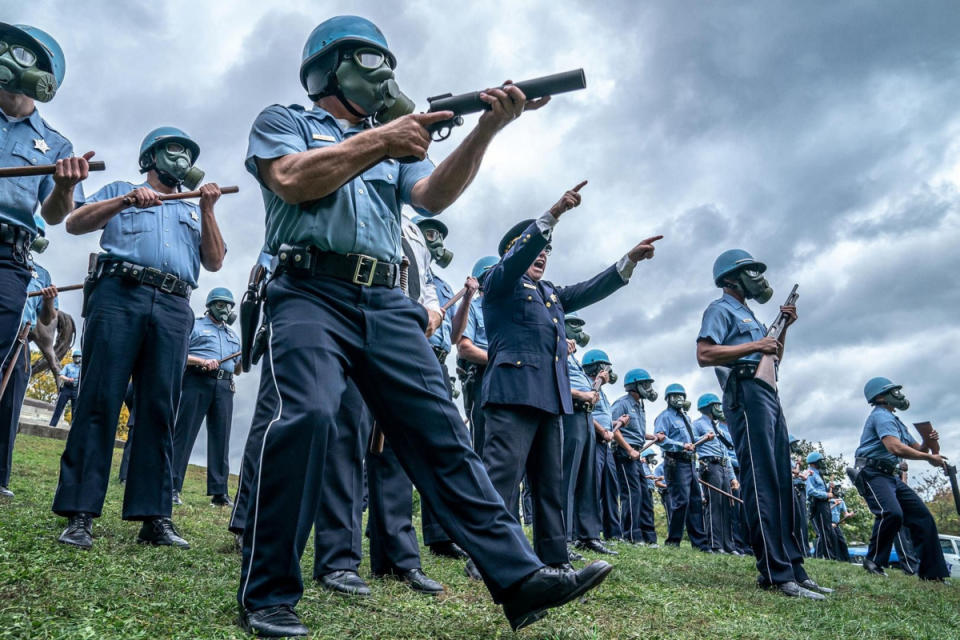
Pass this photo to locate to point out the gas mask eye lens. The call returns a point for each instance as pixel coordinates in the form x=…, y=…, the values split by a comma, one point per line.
x=431, y=235
x=548, y=249
x=23, y=56
x=369, y=58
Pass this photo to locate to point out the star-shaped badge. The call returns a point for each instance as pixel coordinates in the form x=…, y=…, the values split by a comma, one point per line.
x=41, y=145
x=193, y=214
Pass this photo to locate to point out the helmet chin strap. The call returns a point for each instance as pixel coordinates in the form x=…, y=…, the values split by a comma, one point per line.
x=346, y=104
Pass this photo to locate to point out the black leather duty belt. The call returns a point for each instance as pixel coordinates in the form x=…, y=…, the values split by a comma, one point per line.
x=713, y=460
x=16, y=236
x=353, y=267
x=879, y=465
x=166, y=282
x=441, y=354
x=218, y=374
x=684, y=457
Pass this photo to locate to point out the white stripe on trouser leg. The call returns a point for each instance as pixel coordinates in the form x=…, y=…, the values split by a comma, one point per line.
x=756, y=494
x=623, y=470
x=266, y=433
x=879, y=526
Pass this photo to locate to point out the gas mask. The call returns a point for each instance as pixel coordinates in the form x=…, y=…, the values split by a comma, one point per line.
x=175, y=166
x=222, y=312
x=754, y=286
x=677, y=401
x=77, y=360
x=440, y=254
x=716, y=412
x=39, y=245
x=19, y=73
x=575, y=332
x=364, y=77
x=895, y=399
x=686, y=405
x=611, y=373
x=646, y=391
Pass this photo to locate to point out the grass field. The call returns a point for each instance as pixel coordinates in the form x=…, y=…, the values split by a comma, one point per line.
x=124, y=590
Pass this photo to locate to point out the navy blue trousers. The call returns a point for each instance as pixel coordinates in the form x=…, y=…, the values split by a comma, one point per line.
x=648, y=526
x=717, y=512
x=14, y=278
x=632, y=487
x=67, y=394
x=801, y=529
x=842, y=544
x=131, y=422
x=322, y=330
x=893, y=505
x=393, y=540
x=582, y=511
x=10, y=406
x=608, y=489
x=338, y=523
x=909, y=562
x=130, y=330
x=204, y=397
x=759, y=432
x=738, y=522
x=474, y=410
x=524, y=440
x=823, y=525
x=686, y=503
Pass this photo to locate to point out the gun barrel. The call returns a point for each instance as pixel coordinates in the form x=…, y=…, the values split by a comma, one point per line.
x=536, y=88
x=43, y=169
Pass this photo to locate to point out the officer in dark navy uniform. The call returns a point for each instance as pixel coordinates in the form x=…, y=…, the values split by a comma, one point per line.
x=526, y=388
x=69, y=383
x=138, y=322
x=207, y=393
x=800, y=527
x=733, y=340
x=715, y=470
x=333, y=189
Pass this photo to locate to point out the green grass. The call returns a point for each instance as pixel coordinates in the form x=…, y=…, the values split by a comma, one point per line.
x=124, y=590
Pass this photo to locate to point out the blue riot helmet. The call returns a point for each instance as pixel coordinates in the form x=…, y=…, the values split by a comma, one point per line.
x=483, y=265
x=709, y=404
x=31, y=62
x=595, y=356
x=676, y=396
x=706, y=400
x=884, y=391
x=434, y=233
x=640, y=381
x=220, y=305
x=173, y=153
x=814, y=457
x=40, y=243
x=595, y=361
x=77, y=356
x=348, y=57
x=746, y=273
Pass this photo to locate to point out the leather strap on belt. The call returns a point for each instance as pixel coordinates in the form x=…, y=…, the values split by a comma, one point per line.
x=166, y=282
x=218, y=374
x=879, y=465
x=441, y=354
x=354, y=267
x=16, y=236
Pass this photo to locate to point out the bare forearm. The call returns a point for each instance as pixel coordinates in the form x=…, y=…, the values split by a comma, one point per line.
x=195, y=361
x=901, y=450
x=449, y=180
x=459, y=322
x=598, y=428
x=57, y=205
x=93, y=216
x=316, y=173
x=620, y=441
x=212, y=247
x=713, y=355
x=470, y=352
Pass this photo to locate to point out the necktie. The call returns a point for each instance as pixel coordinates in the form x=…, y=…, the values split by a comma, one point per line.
x=413, y=272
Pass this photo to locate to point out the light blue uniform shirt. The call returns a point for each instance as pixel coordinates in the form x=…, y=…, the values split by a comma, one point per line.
x=29, y=142
x=837, y=511
x=71, y=370
x=647, y=471
x=441, y=337
x=212, y=341
x=601, y=412
x=659, y=472
x=727, y=321
x=475, y=329
x=578, y=379
x=633, y=432
x=39, y=279
x=701, y=427
x=673, y=425
x=881, y=423
x=816, y=487
x=362, y=216
x=165, y=237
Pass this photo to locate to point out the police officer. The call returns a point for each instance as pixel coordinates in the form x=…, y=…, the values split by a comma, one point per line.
x=527, y=386
x=138, y=322
x=32, y=67
x=733, y=340
x=636, y=503
x=43, y=308
x=582, y=510
x=69, y=383
x=207, y=392
x=662, y=488
x=650, y=476
x=686, y=503
x=818, y=497
x=332, y=189
x=472, y=350
x=738, y=521
x=715, y=469
x=605, y=430
x=885, y=441
x=800, y=526
x=838, y=513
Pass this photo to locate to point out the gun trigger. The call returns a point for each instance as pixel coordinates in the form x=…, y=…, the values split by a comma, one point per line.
x=442, y=133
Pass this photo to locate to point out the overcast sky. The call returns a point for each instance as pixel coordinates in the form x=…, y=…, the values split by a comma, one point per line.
x=820, y=136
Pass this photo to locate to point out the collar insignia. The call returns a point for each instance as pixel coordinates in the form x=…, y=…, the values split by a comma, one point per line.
x=529, y=286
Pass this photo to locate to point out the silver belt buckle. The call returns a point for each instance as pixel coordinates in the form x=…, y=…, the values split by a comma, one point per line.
x=363, y=260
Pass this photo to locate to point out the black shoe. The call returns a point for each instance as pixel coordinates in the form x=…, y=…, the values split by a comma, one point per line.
x=176, y=498
x=548, y=588
x=161, y=532
x=5, y=493
x=221, y=500
x=593, y=544
x=813, y=586
x=471, y=571
x=273, y=622
x=421, y=583
x=562, y=566
x=572, y=555
x=79, y=531
x=873, y=567
x=448, y=549
x=347, y=582
x=791, y=590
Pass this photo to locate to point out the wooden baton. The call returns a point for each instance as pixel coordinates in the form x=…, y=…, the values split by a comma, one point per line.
x=128, y=200
x=68, y=287
x=43, y=169
x=720, y=491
